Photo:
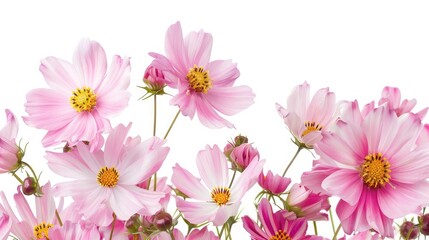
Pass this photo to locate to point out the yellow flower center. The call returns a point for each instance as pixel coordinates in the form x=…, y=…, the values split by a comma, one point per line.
x=375, y=170
x=221, y=195
x=281, y=235
x=108, y=177
x=199, y=80
x=41, y=231
x=83, y=99
x=310, y=127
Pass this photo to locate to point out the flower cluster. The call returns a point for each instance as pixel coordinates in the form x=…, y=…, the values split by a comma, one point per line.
x=370, y=163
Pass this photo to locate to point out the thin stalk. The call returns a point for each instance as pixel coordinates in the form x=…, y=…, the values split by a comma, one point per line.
x=293, y=159
x=336, y=232
x=113, y=226
x=171, y=125
x=17, y=178
x=232, y=180
x=315, y=227
x=154, y=115
x=58, y=218
x=332, y=220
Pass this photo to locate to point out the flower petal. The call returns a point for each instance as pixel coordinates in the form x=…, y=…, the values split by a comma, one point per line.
x=213, y=168
x=230, y=100
x=344, y=183
x=198, y=46
x=175, y=49
x=223, y=73
x=197, y=212
x=189, y=185
x=90, y=61
x=60, y=75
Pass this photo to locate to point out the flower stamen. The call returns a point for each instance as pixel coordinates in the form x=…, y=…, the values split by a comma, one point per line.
x=221, y=195
x=375, y=170
x=310, y=127
x=41, y=230
x=199, y=80
x=281, y=235
x=108, y=177
x=83, y=99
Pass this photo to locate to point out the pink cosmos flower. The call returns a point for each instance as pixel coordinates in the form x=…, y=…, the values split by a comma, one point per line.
x=275, y=184
x=70, y=230
x=31, y=226
x=161, y=186
x=205, y=87
x=9, y=151
x=106, y=181
x=392, y=97
x=274, y=225
x=243, y=155
x=306, y=119
x=306, y=204
x=375, y=168
x=216, y=201
x=83, y=95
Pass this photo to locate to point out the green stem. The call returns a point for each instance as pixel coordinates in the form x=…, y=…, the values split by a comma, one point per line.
x=232, y=180
x=58, y=217
x=154, y=115
x=332, y=220
x=32, y=171
x=113, y=226
x=336, y=232
x=154, y=182
x=171, y=125
x=293, y=159
x=17, y=178
x=315, y=227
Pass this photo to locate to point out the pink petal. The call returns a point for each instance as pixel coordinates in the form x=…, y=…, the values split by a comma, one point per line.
x=353, y=217
x=346, y=184
x=392, y=96
x=112, y=104
x=223, y=73
x=354, y=139
x=23, y=208
x=60, y=75
x=136, y=199
x=5, y=225
x=248, y=178
x=265, y=214
x=251, y=227
x=298, y=100
x=198, y=46
x=93, y=160
x=321, y=107
x=230, y=100
x=209, y=117
x=224, y=212
x=400, y=199
x=213, y=168
x=298, y=228
x=114, y=144
x=189, y=185
x=197, y=212
x=90, y=61
x=187, y=103
x=78, y=189
x=376, y=219
x=45, y=205
x=40, y=101
x=139, y=163
x=117, y=77
x=175, y=49
x=412, y=167
x=82, y=128
x=10, y=130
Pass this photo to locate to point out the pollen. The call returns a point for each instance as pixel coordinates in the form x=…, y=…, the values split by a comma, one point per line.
x=281, y=235
x=375, y=170
x=108, y=177
x=41, y=231
x=83, y=99
x=310, y=127
x=221, y=195
x=199, y=79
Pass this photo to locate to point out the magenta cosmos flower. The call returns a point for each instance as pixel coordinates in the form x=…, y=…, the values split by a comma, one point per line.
x=274, y=225
x=31, y=226
x=306, y=119
x=83, y=95
x=216, y=201
x=106, y=181
x=374, y=168
x=275, y=184
x=205, y=87
x=10, y=153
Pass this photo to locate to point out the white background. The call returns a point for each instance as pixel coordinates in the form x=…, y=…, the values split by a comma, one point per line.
x=355, y=48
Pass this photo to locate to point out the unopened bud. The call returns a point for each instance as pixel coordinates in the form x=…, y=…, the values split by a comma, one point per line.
x=424, y=224
x=162, y=221
x=29, y=186
x=409, y=230
x=133, y=223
